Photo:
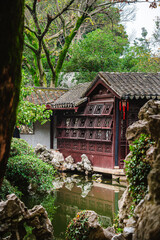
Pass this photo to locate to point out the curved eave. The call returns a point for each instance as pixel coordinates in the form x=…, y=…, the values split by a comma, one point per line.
x=128, y=96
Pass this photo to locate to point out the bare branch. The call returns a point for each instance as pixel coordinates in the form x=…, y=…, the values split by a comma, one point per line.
x=34, y=16
x=60, y=32
x=48, y=58
x=62, y=19
x=34, y=5
x=51, y=19
x=26, y=27
x=31, y=47
x=29, y=8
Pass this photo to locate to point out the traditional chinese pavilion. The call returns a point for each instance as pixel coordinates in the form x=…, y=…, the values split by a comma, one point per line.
x=92, y=117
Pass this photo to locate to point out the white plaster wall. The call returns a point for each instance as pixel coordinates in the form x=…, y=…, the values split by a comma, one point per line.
x=54, y=133
x=41, y=135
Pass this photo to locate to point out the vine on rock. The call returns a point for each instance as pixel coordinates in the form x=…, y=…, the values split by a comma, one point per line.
x=137, y=168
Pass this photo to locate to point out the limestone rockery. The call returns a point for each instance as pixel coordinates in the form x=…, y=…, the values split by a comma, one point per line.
x=57, y=160
x=13, y=215
x=145, y=223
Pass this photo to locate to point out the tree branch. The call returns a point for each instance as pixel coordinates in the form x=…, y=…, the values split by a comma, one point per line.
x=48, y=58
x=26, y=27
x=56, y=35
x=31, y=47
x=51, y=19
x=62, y=19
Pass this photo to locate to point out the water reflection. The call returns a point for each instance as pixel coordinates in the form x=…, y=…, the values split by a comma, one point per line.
x=75, y=193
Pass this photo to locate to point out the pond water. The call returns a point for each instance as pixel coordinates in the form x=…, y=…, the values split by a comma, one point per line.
x=75, y=193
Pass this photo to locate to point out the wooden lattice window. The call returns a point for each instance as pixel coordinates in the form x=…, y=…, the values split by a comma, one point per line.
x=98, y=134
x=75, y=145
x=67, y=122
x=68, y=144
x=107, y=122
x=74, y=133
x=99, y=122
x=98, y=109
x=108, y=135
x=89, y=109
x=91, y=147
x=66, y=133
x=123, y=130
x=83, y=146
x=108, y=148
x=90, y=135
x=82, y=134
x=59, y=133
x=90, y=122
x=82, y=122
x=60, y=144
x=99, y=147
x=75, y=122
x=108, y=108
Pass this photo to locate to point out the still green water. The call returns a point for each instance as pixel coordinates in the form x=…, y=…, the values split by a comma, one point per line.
x=74, y=193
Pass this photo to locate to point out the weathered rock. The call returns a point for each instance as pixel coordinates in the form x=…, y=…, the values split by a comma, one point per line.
x=58, y=183
x=39, y=148
x=56, y=159
x=148, y=222
x=128, y=232
x=50, y=156
x=118, y=237
x=69, y=186
x=55, y=163
x=13, y=215
x=124, y=208
x=136, y=129
x=84, y=165
x=69, y=159
x=95, y=230
x=145, y=224
x=150, y=108
x=86, y=189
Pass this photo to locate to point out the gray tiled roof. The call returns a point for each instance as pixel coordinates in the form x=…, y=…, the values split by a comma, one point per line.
x=73, y=97
x=124, y=85
x=43, y=95
x=130, y=85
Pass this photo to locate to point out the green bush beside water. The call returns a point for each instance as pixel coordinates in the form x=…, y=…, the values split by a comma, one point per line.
x=24, y=167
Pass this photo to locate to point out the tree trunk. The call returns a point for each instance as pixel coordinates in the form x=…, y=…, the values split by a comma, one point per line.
x=41, y=71
x=65, y=48
x=11, y=44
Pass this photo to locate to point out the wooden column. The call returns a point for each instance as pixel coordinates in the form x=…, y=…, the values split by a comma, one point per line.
x=117, y=133
x=51, y=131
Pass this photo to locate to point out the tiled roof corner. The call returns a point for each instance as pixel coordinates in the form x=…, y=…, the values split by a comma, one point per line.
x=73, y=97
x=43, y=95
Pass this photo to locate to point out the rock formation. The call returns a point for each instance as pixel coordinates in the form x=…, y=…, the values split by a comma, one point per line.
x=13, y=215
x=55, y=158
x=145, y=223
x=93, y=230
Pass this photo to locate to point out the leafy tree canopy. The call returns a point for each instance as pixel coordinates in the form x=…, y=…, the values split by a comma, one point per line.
x=51, y=27
x=139, y=57
x=99, y=50
x=28, y=112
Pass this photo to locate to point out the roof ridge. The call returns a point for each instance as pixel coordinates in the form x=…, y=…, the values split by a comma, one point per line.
x=50, y=88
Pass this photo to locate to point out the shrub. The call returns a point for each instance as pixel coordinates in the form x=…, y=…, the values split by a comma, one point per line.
x=138, y=167
x=24, y=168
x=20, y=147
x=7, y=188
